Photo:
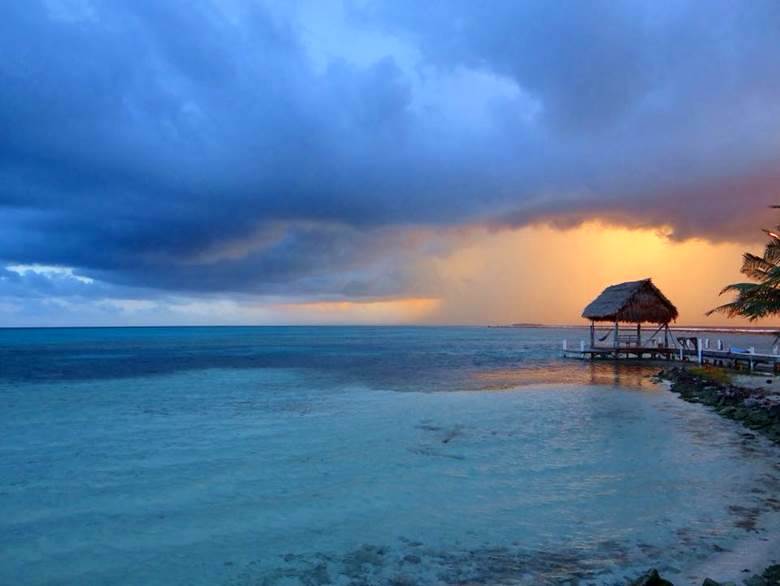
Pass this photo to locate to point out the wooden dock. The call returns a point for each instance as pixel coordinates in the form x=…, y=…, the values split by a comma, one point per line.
x=634, y=303
x=736, y=359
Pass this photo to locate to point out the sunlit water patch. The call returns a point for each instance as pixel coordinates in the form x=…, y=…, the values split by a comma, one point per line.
x=283, y=476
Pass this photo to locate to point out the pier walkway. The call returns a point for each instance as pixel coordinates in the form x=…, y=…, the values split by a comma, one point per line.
x=737, y=359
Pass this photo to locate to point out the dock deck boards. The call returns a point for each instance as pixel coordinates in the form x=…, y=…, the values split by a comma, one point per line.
x=729, y=358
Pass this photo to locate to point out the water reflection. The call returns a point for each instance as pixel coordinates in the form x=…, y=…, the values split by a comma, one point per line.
x=618, y=374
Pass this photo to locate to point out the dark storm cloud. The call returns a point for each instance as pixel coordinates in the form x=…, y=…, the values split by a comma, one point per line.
x=657, y=113
x=197, y=146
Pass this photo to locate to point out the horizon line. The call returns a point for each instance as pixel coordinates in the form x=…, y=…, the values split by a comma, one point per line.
x=687, y=327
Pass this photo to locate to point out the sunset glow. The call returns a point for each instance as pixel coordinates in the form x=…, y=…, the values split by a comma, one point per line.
x=547, y=275
x=392, y=311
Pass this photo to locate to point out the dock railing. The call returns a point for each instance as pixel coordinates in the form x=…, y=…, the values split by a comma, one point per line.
x=686, y=349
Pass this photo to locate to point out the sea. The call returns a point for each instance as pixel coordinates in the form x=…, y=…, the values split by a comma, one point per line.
x=364, y=456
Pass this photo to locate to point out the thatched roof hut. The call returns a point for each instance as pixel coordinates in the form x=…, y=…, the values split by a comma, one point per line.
x=634, y=302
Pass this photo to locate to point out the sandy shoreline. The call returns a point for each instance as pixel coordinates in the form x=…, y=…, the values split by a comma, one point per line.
x=763, y=382
x=754, y=553
x=756, y=396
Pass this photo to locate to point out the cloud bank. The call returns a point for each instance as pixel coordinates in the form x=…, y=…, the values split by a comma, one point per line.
x=318, y=149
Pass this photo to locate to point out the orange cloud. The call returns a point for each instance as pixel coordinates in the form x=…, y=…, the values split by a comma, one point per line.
x=547, y=275
x=387, y=311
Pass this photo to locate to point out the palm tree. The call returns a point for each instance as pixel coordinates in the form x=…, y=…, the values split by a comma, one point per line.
x=762, y=297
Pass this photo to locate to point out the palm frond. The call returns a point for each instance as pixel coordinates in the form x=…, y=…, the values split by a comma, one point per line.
x=753, y=301
x=755, y=267
x=762, y=297
x=739, y=288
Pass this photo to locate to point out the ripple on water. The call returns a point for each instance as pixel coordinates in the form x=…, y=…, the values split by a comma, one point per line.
x=209, y=479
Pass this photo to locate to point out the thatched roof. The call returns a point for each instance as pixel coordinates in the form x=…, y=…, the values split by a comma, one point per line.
x=634, y=301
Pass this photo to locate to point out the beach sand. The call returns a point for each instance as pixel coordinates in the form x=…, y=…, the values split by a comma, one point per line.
x=754, y=553
x=766, y=382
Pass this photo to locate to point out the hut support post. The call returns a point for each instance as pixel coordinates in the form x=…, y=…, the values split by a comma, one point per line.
x=592, y=333
x=639, y=334
x=617, y=331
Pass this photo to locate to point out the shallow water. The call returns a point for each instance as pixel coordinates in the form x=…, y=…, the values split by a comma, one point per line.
x=357, y=456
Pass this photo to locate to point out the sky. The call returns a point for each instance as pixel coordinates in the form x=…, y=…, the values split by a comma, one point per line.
x=379, y=161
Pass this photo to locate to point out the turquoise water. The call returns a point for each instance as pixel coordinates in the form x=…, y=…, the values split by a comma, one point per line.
x=356, y=456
